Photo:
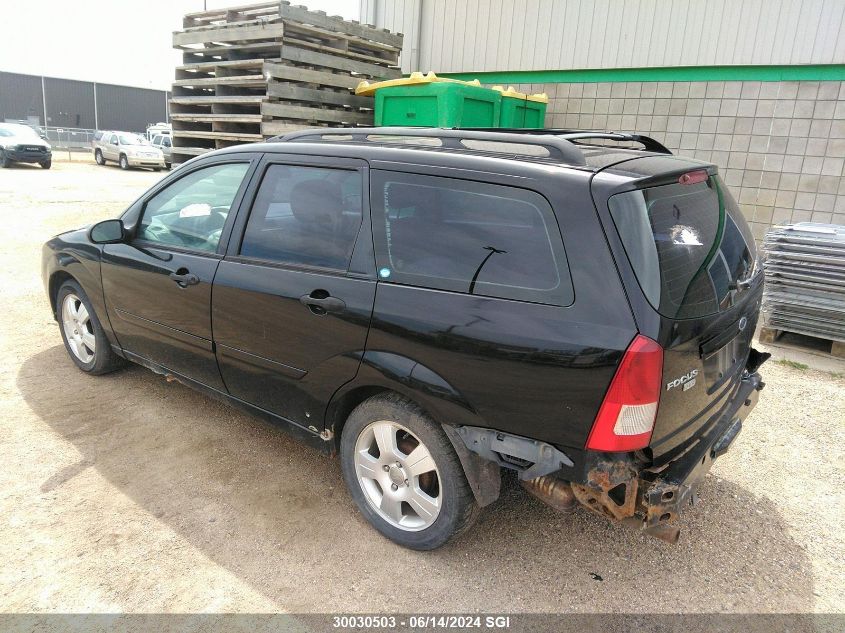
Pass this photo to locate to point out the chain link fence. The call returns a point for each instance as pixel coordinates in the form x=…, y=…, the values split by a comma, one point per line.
x=68, y=138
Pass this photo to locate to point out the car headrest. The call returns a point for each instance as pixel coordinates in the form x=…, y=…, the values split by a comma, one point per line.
x=317, y=201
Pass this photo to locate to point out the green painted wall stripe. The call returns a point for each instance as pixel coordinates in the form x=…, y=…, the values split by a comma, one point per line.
x=814, y=72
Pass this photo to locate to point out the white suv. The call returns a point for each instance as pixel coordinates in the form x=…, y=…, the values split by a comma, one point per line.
x=165, y=144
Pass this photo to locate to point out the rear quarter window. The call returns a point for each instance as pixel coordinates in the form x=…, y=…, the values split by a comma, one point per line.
x=468, y=237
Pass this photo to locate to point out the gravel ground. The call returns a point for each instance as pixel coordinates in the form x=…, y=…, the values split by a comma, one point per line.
x=126, y=493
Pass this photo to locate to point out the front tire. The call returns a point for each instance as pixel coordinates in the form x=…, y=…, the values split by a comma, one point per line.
x=46, y=164
x=404, y=474
x=98, y=156
x=85, y=341
x=124, y=162
x=4, y=160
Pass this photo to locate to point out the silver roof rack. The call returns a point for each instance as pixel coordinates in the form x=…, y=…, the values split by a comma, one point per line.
x=557, y=147
x=649, y=144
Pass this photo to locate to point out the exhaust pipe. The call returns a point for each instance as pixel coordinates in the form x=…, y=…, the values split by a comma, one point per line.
x=551, y=491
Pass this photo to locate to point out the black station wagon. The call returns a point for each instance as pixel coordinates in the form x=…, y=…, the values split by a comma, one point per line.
x=435, y=305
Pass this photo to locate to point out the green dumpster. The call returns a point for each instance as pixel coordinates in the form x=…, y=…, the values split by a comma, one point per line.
x=519, y=110
x=431, y=101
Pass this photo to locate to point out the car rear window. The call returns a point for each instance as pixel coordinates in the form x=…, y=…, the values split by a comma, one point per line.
x=687, y=243
x=470, y=237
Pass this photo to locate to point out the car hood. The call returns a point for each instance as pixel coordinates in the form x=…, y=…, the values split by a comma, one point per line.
x=24, y=140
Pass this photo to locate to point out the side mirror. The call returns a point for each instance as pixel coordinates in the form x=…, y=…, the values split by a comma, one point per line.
x=107, y=232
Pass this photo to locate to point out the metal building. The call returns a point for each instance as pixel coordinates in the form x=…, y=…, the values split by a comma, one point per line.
x=508, y=35
x=755, y=86
x=66, y=103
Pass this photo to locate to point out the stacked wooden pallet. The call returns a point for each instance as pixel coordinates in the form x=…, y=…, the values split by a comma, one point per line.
x=254, y=71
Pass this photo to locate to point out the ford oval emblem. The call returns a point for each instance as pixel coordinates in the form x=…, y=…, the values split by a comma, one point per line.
x=742, y=323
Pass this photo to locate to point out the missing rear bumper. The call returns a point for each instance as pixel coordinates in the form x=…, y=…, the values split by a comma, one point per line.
x=618, y=488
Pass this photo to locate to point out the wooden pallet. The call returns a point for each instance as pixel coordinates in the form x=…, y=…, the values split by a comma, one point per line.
x=254, y=71
x=771, y=335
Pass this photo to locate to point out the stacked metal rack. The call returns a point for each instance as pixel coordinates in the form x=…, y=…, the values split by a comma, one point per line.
x=805, y=282
x=254, y=71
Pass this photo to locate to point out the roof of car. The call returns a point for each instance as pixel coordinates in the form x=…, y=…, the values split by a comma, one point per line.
x=476, y=149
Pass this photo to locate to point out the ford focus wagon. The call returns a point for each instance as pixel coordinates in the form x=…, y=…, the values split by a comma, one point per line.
x=433, y=306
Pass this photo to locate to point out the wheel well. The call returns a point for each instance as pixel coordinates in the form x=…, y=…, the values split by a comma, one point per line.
x=56, y=281
x=341, y=410
x=484, y=476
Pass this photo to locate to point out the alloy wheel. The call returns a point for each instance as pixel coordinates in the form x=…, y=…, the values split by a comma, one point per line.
x=79, y=330
x=398, y=475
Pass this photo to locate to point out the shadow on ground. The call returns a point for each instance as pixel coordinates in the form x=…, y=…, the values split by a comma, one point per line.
x=276, y=514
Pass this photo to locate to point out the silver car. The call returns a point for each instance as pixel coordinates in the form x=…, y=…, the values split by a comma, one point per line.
x=127, y=150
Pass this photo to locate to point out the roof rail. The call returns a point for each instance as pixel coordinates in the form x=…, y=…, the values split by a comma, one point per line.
x=648, y=143
x=559, y=148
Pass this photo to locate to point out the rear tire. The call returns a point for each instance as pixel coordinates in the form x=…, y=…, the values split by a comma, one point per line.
x=98, y=157
x=124, y=162
x=404, y=474
x=83, y=335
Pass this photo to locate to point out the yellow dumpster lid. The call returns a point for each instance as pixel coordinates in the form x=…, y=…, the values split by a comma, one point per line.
x=367, y=89
x=513, y=93
x=510, y=91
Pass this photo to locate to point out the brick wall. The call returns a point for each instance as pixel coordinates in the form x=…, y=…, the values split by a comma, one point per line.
x=780, y=146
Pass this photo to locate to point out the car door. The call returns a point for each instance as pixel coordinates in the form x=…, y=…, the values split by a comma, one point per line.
x=157, y=284
x=293, y=297
x=110, y=147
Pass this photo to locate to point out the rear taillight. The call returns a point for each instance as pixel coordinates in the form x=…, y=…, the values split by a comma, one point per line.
x=626, y=417
x=693, y=177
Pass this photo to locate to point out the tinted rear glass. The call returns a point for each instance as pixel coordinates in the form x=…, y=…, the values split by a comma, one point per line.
x=688, y=245
x=468, y=237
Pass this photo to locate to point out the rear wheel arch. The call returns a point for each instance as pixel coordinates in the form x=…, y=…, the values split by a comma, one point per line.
x=342, y=406
x=484, y=477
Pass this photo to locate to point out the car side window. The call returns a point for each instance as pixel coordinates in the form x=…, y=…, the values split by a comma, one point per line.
x=469, y=237
x=191, y=212
x=305, y=216
x=165, y=141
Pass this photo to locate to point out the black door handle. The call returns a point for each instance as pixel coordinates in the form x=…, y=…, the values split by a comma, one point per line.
x=320, y=302
x=184, y=279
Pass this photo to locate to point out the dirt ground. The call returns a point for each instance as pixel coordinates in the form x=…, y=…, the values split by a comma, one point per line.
x=125, y=493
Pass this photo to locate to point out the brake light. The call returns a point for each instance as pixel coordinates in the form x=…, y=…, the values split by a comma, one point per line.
x=692, y=177
x=626, y=417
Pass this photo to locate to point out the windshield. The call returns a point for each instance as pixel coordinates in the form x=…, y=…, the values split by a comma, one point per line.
x=688, y=244
x=132, y=139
